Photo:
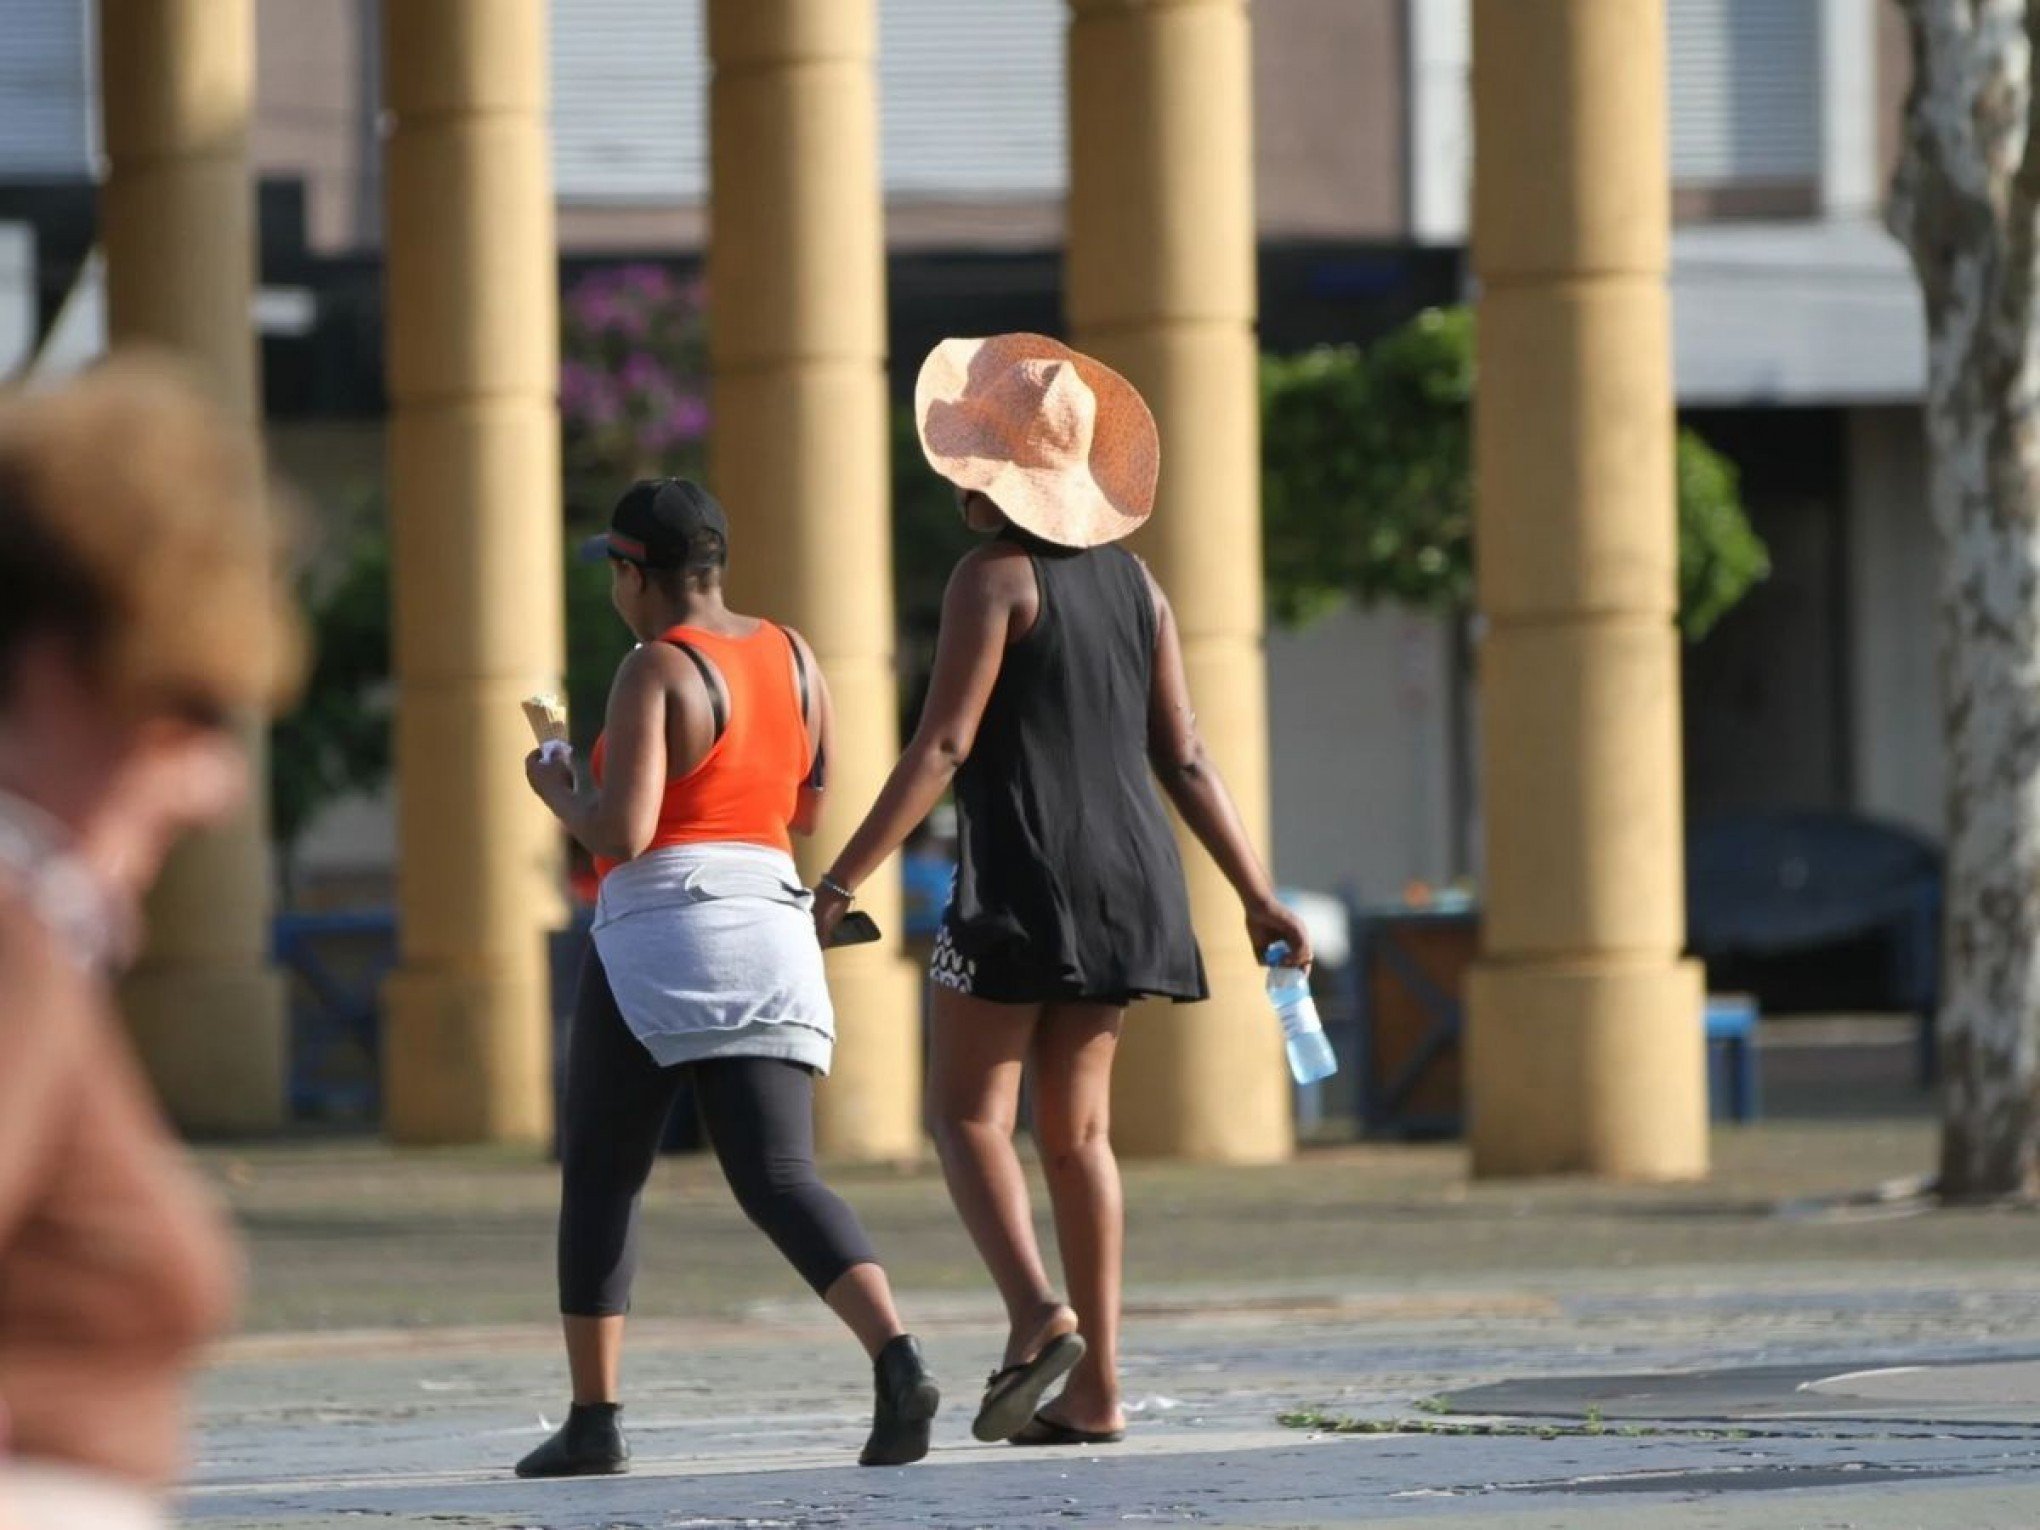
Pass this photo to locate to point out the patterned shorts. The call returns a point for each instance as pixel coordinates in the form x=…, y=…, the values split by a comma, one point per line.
x=1003, y=978
x=950, y=968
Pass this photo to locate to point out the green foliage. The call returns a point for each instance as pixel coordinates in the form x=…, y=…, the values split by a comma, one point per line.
x=597, y=640
x=1366, y=478
x=1720, y=554
x=337, y=742
x=1367, y=483
x=1366, y=471
x=633, y=402
x=633, y=380
x=1319, y=1421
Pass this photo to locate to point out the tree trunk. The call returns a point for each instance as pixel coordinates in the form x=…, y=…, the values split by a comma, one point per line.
x=1990, y=1008
x=1964, y=204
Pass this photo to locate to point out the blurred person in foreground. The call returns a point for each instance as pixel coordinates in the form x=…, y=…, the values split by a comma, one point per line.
x=1058, y=699
x=142, y=605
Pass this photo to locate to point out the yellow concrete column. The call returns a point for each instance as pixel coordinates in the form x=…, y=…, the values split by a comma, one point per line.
x=1585, y=1051
x=1160, y=276
x=177, y=222
x=796, y=280
x=475, y=518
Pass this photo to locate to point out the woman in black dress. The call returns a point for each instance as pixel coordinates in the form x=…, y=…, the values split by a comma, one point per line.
x=1058, y=698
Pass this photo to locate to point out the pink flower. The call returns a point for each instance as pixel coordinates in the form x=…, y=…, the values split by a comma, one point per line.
x=631, y=384
x=688, y=418
x=648, y=282
x=577, y=386
x=604, y=409
x=591, y=308
x=641, y=373
x=588, y=398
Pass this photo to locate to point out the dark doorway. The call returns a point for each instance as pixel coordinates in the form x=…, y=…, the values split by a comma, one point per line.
x=1767, y=720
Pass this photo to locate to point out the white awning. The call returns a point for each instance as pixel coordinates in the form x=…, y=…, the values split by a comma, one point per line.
x=1795, y=313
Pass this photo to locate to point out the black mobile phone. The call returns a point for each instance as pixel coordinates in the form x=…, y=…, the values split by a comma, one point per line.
x=857, y=928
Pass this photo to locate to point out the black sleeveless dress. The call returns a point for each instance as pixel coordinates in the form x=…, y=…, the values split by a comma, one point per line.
x=1069, y=885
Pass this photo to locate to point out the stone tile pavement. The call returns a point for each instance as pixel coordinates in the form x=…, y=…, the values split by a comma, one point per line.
x=1775, y=1348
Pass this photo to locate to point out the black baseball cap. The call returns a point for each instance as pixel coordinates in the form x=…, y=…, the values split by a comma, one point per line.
x=656, y=522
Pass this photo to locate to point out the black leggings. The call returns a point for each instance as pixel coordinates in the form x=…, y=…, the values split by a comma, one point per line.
x=759, y=1112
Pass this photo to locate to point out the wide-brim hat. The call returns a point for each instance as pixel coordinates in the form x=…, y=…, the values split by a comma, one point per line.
x=1062, y=444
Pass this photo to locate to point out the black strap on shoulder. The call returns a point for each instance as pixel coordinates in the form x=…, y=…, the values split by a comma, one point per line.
x=799, y=670
x=718, y=699
x=818, y=777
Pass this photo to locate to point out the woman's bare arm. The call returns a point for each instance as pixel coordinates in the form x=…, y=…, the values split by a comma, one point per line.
x=821, y=721
x=1192, y=781
x=991, y=595
x=617, y=819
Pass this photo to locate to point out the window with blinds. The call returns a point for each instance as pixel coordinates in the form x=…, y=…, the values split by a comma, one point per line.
x=629, y=101
x=47, y=127
x=1746, y=87
x=1745, y=91
x=970, y=99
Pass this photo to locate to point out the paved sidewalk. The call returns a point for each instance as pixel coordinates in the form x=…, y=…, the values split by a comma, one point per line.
x=1730, y=1355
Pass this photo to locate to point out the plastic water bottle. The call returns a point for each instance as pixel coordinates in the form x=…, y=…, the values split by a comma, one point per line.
x=1310, y=1054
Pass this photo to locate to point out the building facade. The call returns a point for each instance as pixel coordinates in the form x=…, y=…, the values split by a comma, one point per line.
x=1798, y=344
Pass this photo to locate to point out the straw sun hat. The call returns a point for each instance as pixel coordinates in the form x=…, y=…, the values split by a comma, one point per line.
x=1062, y=444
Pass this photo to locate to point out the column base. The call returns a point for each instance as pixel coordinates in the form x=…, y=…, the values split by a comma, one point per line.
x=214, y=1042
x=869, y=1108
x=467, y=1059
x=1205, y=1082
x=1595, y=1067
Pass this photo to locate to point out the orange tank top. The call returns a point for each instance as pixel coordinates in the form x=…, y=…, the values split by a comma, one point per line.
x=747, y=786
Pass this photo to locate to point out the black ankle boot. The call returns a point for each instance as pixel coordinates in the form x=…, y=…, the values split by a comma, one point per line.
x=589, y=1444
x=907, y=1400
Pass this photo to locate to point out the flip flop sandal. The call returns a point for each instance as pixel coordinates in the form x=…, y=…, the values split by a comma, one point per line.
x=1012, y=1395
x=1043, y=1430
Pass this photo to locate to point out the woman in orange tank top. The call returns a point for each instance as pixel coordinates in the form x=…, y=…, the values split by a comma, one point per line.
x=749, y=787
x=705, y=967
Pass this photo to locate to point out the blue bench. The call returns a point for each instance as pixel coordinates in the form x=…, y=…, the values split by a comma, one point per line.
x=336, y=1012
x=1732, y=1088
x=1417, y=1094
x=1812, y=912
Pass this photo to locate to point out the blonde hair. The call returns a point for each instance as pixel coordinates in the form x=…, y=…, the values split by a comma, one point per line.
x=136, y=522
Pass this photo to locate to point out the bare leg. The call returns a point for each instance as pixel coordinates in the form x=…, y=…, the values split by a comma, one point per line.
x=1073, y=1053
x=977, y=1056
x=594, y=1353
x=862, y=1298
